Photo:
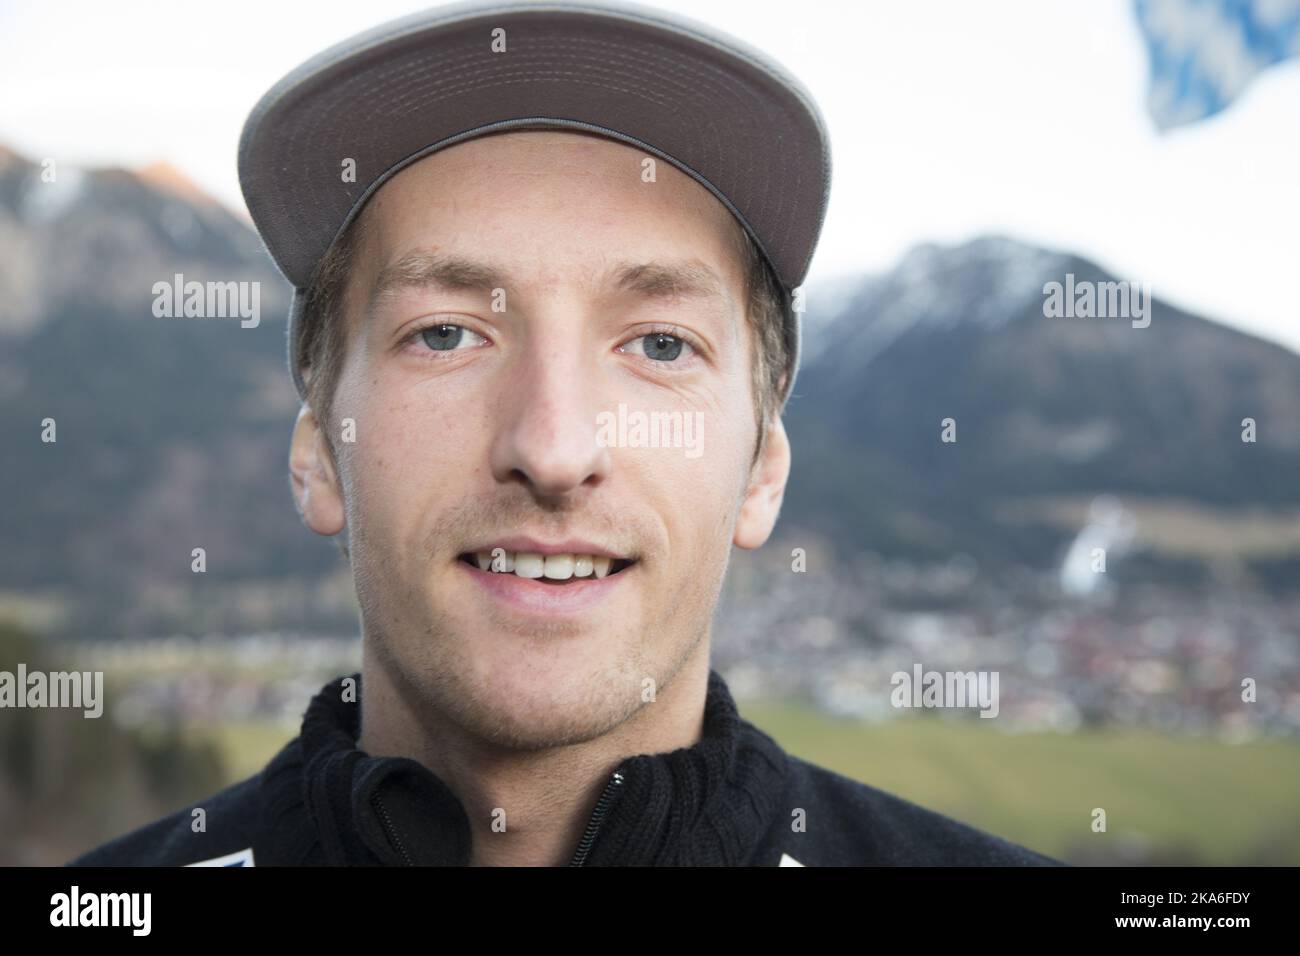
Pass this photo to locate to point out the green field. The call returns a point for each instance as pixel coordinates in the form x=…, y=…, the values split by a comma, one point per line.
x=1168, y=800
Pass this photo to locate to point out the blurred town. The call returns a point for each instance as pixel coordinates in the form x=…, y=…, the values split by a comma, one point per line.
x=833, y=636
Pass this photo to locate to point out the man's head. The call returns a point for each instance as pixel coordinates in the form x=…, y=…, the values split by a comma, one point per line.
x=489, y=306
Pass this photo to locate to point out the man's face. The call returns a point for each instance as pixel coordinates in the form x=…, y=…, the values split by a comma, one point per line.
x=511, y=293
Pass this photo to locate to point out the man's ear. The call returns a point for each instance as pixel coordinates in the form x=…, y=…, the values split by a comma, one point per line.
x=762, y=504
x=315, y=482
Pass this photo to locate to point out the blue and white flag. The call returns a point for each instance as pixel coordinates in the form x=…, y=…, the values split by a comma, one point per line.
x=1205, y=52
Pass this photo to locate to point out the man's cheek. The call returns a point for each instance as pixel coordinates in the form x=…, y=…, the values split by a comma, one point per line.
x=376, y=490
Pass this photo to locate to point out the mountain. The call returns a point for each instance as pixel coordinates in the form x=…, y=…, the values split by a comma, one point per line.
x=1047, y=410
x=172, y=433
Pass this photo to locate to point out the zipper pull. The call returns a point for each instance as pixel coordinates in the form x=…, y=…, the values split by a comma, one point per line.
x=597, y=817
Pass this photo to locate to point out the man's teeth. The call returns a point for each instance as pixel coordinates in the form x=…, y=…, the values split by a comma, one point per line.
x=555, y=567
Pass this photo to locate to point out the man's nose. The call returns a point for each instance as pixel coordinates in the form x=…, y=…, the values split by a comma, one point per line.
x=546, y=422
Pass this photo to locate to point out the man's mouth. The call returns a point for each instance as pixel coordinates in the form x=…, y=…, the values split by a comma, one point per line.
x=559, y=569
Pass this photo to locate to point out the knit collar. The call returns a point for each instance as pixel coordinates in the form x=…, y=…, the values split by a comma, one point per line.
x=707, y=804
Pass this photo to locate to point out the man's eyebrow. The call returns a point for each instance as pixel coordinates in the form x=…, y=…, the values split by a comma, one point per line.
x=688, y=278
x=421, y=270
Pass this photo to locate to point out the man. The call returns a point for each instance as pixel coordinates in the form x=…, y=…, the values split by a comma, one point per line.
x=507, y=227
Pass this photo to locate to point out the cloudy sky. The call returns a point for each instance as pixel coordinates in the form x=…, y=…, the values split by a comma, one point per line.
x=948, y=121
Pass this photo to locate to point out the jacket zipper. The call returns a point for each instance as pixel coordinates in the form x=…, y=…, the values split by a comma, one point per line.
x=391, y=830
x=584, y=845
x=597, y=817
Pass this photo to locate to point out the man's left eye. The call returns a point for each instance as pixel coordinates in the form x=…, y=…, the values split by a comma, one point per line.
x=446, y=337
x=658, y=346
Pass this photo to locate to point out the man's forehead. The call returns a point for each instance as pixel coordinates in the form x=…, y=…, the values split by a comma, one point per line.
x=684, y=243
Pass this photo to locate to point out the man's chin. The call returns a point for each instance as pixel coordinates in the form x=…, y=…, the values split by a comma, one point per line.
x=527, y=704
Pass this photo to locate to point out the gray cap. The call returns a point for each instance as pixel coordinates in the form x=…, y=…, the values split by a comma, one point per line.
x=714, y=107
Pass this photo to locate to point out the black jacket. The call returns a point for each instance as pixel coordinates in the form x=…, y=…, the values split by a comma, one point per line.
x=733, y=798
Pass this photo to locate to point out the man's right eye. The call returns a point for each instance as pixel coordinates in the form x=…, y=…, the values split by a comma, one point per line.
x=445, y=337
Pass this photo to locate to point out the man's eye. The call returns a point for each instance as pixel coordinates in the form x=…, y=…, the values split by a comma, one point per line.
x=658, y=346
x=447, y=338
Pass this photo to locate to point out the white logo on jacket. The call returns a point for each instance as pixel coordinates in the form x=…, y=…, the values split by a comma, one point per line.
x=242, y=857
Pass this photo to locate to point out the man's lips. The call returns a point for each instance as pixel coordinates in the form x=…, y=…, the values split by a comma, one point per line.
x=540, y=597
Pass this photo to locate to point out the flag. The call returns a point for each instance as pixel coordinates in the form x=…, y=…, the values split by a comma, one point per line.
x=1205, y=52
